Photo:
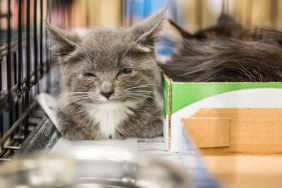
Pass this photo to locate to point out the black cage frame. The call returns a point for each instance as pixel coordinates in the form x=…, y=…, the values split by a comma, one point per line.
x=25, y=60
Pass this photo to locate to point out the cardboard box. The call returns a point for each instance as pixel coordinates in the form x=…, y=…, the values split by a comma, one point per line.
x=245, y=130
x=249, y=114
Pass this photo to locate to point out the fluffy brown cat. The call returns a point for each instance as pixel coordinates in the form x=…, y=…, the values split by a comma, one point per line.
x=226, y=52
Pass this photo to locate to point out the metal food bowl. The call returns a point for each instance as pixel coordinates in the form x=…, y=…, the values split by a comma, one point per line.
x=95, y=167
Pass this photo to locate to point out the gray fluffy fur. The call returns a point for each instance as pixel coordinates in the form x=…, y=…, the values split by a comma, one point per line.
x=119, y=62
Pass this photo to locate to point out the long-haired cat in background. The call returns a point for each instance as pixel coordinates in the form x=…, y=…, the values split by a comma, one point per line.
x=111, y=83
x=226, y=52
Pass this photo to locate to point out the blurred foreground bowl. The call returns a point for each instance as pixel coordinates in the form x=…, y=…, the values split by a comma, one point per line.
x=95, y=167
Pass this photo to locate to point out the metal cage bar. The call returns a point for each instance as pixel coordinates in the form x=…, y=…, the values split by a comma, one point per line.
x=24, y=68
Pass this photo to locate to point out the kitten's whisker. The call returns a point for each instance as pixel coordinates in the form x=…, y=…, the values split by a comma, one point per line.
x=85, y=97
x=140, y=86
x=139, y=91
x=78, y=101
x=73, y=94
x=143, y=86
x=68, y=98
x=140, y=95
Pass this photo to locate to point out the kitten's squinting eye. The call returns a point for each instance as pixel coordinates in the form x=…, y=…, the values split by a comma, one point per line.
x=89, y=75
x=125, y=71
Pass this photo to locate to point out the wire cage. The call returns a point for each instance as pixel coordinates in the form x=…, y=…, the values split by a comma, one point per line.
x=26, y=61
x=24, y=67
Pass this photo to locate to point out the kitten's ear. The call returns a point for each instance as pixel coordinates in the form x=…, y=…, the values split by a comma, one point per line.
x=176, y=35
x=225, y=19
x=147, y=31
x=176, y=28
x=64, y=42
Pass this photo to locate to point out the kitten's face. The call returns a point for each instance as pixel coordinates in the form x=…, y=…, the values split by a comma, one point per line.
x=114, y=68
x=110, y=65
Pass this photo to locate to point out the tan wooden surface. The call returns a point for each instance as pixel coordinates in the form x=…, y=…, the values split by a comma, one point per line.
x=242, y=171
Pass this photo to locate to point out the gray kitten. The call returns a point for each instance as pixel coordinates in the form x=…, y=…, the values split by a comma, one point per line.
x=111, y=84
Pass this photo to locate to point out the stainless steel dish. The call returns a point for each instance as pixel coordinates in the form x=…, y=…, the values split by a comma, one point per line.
x=98, y=167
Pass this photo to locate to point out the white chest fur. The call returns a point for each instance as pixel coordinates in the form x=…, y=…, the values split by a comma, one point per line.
x=109, y=115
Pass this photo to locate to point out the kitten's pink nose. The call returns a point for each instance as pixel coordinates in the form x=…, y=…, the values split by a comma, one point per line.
x=107, y=94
